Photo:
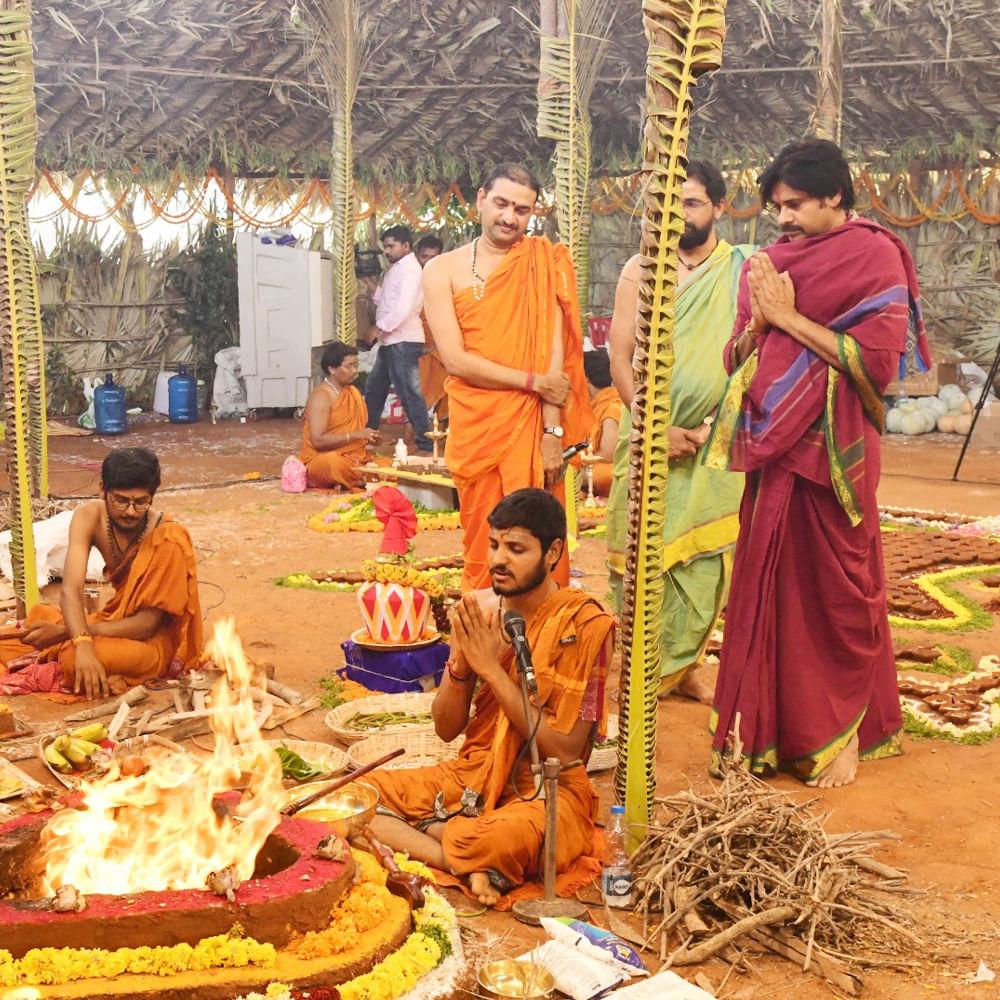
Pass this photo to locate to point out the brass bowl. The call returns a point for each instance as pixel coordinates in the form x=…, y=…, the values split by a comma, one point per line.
x=509, y=978
x=348, y=810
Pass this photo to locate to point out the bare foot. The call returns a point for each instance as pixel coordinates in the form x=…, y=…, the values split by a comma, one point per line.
x=693, y=685
x=483, y=889
x=841, y=770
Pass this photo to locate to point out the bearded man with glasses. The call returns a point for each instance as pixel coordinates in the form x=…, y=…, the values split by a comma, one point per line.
x=153, y=620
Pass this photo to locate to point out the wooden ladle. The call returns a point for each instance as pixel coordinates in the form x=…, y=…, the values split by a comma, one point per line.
x=406, y=885
x=291, y=808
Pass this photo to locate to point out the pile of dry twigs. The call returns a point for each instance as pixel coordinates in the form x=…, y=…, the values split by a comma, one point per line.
x=749, y=865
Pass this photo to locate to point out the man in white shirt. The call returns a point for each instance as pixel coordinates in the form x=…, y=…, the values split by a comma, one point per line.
x=400, y=335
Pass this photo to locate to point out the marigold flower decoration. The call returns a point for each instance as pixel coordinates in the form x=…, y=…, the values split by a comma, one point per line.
x=400, y=519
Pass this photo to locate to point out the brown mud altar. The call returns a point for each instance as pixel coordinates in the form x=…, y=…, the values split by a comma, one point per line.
x=291, y=892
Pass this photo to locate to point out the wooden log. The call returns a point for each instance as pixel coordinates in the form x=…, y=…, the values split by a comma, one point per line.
x=142, y=725
x=706, y=949
x=131, y=697
x=821, y=964
x=283, y=715
x=289, y=694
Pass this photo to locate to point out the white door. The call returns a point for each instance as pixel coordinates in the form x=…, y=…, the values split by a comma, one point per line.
x=275, y=321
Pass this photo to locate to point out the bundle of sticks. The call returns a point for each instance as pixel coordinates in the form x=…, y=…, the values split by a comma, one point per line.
x=746, y=864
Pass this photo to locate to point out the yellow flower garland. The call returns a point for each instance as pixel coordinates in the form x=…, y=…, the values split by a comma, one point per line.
x=361, y=910
x=403, y=969
x=962, y=615
x=405, y=575
x=359, y=515
x=57, y=966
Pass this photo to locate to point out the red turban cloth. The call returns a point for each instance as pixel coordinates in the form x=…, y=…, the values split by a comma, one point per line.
x=399, y=518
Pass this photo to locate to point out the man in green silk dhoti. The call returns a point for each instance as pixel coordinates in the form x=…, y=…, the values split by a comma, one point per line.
x=701, y=513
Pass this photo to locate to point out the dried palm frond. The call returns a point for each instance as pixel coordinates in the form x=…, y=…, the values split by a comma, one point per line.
x=342, y=37
x=572, y=54
x=685, y=41
x=20, y=329
x=826, y=117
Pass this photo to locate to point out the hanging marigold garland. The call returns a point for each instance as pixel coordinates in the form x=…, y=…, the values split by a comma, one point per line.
x=308, y=201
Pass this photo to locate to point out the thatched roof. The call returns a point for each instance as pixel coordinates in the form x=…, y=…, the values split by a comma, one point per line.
x=450, y=85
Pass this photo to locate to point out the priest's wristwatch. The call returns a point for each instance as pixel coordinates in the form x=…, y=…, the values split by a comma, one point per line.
x=554, y=431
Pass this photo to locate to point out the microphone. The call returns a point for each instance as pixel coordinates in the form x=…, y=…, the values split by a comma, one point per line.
x=513, y=623
x=572, y=450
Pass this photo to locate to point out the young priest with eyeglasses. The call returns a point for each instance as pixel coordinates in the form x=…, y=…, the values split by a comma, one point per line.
x=152, y=621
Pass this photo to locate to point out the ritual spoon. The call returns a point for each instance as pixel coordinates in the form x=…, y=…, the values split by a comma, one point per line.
x=291, y=808
x=406, y=885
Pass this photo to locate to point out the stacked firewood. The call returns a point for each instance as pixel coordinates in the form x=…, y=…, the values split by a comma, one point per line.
x=748, y=865
x=181, y=707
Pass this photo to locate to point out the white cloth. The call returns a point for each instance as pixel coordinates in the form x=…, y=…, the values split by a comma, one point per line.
x=398, y=301
x=51, y=546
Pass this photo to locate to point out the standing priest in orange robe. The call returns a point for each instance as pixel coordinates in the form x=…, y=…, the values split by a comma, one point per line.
x=154, y=617
x=334, y=436
x=503, y=310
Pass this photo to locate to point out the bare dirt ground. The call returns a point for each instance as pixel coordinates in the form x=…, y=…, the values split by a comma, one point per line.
x=941, y=799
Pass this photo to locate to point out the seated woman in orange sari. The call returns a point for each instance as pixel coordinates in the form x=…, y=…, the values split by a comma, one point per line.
x=607, y=407
x=334, y=437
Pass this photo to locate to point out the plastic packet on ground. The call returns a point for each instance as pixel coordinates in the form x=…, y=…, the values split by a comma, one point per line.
x=575, y=974
x=598, y=943
x=663, y=986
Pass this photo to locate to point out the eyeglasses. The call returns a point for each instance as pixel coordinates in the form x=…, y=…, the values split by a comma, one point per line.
x=693, y=204
x=122, y=504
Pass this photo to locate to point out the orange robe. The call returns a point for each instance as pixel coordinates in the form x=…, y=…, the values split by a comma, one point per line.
x=432, y=375
x=162, y=576
x=607, y=405
x=570, y=637
x=494, y=435
x=336, y=467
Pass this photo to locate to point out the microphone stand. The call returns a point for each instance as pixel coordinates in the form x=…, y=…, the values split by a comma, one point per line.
x=531, y=911
x=536, y=766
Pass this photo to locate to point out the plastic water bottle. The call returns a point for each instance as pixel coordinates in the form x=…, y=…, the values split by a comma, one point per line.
x=182, y=393
x=616, y=875
x=109, y=407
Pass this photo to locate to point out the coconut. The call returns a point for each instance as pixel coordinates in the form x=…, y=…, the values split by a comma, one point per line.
x=963, y=423
x=946, y=422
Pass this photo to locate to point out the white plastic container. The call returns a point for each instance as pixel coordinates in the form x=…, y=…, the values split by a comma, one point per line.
x=161, y=394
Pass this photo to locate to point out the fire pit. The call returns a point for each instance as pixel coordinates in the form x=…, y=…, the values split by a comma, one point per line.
x=291, y=892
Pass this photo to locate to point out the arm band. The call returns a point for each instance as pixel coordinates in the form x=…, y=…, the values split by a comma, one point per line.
x=81, y=637
x=529, y=382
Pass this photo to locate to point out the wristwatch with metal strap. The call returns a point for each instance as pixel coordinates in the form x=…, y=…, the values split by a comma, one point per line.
x=554, y=431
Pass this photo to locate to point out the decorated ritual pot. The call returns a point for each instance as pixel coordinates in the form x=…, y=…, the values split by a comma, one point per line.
x=393, y=613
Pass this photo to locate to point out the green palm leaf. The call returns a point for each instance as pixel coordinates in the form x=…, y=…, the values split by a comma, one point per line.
x=685, y=41
x=20, y=328
x=574, y=40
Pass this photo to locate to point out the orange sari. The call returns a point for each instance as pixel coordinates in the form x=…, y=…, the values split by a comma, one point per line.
x=336, y=467
x=494, y=435
x=162, y=576
x=569, y=638
x=607, y=405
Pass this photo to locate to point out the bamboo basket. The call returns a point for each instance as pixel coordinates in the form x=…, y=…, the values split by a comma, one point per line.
x=415, y=703
x=423, y=749
x=331, y=759
x=135, y=745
